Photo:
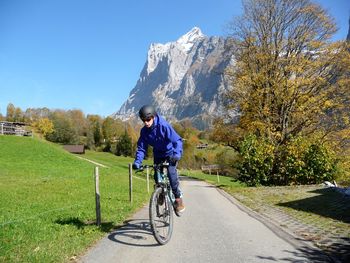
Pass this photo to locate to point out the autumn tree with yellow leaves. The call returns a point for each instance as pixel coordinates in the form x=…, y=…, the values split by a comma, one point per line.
x=289, y=79
x=45, y=126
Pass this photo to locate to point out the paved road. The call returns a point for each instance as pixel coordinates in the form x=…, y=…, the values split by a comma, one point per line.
x=213, y=229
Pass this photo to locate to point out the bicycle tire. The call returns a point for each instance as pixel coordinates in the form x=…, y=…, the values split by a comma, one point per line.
x=161, y=216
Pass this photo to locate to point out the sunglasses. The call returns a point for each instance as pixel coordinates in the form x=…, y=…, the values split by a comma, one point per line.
x=147, y=119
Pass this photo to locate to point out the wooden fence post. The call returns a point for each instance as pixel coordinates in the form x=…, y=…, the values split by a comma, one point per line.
x=97, y=197
x=217, y=175
x=130, y=182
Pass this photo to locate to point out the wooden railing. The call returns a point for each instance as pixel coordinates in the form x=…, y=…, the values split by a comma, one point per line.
x=211, y=167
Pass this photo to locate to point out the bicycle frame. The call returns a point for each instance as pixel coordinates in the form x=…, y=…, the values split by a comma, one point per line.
x=162, y=180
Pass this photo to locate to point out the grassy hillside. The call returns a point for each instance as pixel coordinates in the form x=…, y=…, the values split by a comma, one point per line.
x=47, y=200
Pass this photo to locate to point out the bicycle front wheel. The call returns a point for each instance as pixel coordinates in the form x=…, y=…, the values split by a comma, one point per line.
x=161, y=216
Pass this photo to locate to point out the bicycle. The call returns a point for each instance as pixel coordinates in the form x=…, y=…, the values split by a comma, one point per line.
x=162, y=204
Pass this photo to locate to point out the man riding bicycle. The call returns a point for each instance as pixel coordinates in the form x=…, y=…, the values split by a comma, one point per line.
x=167, y=146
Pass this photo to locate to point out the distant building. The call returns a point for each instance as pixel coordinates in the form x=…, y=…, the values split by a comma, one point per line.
x=79, y=149
x=14, y=128
x=202, y=146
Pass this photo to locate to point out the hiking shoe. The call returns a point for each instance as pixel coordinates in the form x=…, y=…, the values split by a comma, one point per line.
x=180, y=207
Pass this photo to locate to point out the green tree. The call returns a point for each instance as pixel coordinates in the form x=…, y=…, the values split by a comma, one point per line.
x=131, y=130
x=45, y=126
x=79, y=121
x=95, y=136
x=286, y=68
x=64, y=130
x=124, y=146
x=10, y=112
x=19, y=117
x=110, y=130
x=289, y=79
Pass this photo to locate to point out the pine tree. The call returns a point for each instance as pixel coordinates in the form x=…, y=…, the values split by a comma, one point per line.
x=124, y=145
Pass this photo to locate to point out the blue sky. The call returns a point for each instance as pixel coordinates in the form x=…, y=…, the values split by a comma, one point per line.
x=88, y=54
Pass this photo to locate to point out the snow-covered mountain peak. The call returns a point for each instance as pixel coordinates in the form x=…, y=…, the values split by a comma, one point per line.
x=187, y=40
x=182, y=80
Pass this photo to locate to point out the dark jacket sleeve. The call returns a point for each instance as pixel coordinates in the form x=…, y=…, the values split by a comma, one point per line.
x=176, y=141
x=141, y=151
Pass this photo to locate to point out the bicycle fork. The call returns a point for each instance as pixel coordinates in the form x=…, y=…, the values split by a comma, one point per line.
x=164, y=211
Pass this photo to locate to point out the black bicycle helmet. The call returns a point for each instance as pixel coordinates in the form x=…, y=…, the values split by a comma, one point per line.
x=147, y=111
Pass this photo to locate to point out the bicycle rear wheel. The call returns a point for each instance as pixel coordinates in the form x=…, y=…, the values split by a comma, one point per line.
x=161, y=216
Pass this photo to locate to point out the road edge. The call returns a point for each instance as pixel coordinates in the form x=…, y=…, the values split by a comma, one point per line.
x=285, y=234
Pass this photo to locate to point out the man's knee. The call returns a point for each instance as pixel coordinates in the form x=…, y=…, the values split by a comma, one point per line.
x=172, y=171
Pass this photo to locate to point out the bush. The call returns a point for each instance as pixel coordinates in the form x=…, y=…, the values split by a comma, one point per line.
x=290, y=163
x=320, y=164
x=300, y=161
x=256, y=160
x=226, y=159
x=305, y=161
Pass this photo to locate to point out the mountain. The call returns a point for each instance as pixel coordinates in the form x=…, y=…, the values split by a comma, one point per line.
x=182, y=79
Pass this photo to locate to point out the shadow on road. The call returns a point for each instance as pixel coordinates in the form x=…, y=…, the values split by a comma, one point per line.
x=327, y=203
x=79, y=224
x=331, y=204
x=135, y=232
x=305, y=254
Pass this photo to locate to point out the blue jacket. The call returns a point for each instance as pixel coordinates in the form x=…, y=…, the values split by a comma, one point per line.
x=162, y=137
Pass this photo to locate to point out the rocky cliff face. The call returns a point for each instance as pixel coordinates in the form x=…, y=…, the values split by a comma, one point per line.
x=182, y=79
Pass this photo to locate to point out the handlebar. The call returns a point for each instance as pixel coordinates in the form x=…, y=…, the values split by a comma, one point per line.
x=154, y=166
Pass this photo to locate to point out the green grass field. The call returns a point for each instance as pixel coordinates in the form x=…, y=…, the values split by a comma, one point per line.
x=48, y=200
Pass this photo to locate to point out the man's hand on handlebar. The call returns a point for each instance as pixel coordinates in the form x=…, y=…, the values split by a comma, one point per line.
x=136, y=166
x=174, y=159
